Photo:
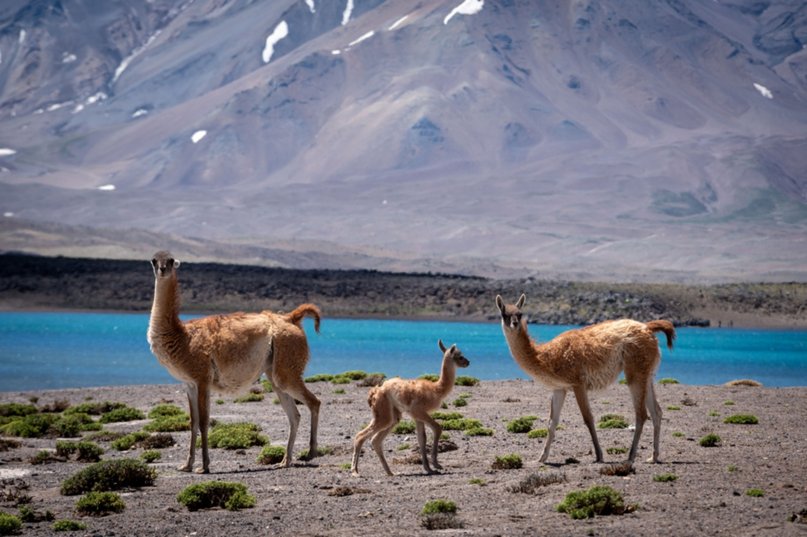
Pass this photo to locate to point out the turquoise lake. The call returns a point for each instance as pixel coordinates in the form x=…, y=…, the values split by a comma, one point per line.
x=65, y=350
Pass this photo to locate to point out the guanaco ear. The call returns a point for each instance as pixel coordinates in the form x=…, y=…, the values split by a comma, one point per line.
x=453, y=348
x=521, y=301
x=440, y=344
x=500, y=303
x=176, y=263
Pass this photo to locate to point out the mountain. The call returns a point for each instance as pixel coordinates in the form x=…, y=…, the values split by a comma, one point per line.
x=615, y=140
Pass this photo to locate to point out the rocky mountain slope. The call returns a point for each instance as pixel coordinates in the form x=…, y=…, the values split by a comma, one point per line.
x=660, y=140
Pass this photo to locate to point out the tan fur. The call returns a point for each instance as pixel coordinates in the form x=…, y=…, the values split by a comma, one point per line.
x=415, y=397
x=227, y=354
x=591, y=358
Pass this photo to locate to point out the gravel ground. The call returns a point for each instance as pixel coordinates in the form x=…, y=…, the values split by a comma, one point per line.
x=322, y=498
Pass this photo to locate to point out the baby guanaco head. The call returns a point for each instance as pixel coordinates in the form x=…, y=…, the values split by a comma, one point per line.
x=164, y=264
x=454, y=353
x=511, y=313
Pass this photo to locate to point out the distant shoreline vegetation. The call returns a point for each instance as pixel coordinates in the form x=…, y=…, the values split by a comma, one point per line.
x=29, y=282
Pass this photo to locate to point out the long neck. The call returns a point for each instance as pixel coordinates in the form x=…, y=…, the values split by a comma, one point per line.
x=164, y=320
x=525, y=351
x=448, y=374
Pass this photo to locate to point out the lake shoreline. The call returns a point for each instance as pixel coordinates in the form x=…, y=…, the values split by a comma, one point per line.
x=708, y=495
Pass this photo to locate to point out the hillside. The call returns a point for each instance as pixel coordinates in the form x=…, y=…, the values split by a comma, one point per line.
x=29, y=282
x=622, y=139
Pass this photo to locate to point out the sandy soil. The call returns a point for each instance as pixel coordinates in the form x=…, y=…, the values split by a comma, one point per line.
x=708, y=497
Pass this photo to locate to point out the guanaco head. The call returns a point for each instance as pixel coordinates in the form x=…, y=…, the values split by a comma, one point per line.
x=164, y=264
x=454, y=353
x=511, y=313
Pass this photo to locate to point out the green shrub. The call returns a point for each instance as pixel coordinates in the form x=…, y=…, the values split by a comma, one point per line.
x=267, y=386
x=87, y=451
x=249, y=398
x=521, y=425
x=271, y=454
x=32, y=516
x=673, y=407
x=678, y=434
x=30, y=426
x=668, y=381
x=165, y=411
x=404, y=427
x=321, y=377
x=479, y=431
x=125, y=413
x=339, y=391
x=464, y=380
x=305, y=455
x=439, y=506
x=9, y=524
x=616, y=450
x=151, y=455
x=477, y=481
x=755, y=493
x=8, y=443
x=231, y=496
x=442, y=416
x=714, y=413
x=68, y=525
x=728, y=403
x=429, y=376
x=236, y=436
x=169, y=424
x=109, y=475
x=94, y=408
x=128, y=441
x=354, y=375
x=710, y=440
x=742, y=419
x=341, y=379
x=17, y=409
x=460, y=402
x=43, y=456
x=507, y=462
x=598, y=500
x=538, y=433
x=100, y=504
x=665, y=478
x=462, y=424
x=157, y=441
x=612, y=421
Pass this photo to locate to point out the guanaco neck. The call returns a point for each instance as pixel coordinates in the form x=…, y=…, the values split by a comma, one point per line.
x=524, y=349
x=164, y=321
x=448, y=374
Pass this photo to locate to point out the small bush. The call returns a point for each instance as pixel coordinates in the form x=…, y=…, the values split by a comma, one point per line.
x=665, y=478
x=521, y=425
x=125, y=413
x=538, y=433
x=164, y=411
x=673, y=407
x=507, y=462
x=236, y=436
x=44, y=456
x=439, y=506
x=86, y=451
x=322, y=377
x=7, y=444
x=598, y=500
x=479, y=431
x=755, y=493
x=373, y=379
x=612, y=421
x=742, y=419
x=150, y=455
x=100, y=504
x=668, y=381
x=462, y=424
x=714, y=414
x=30, y=426
x=441, y=521
x=531, y=483
x=271, y=454
x=678, y=434
x=620, y=469
x=17, y=409
x=267, y=386
x=128, y=441
x=249, y=398
x=341, y=379
x=477, y=481
x=616, y=450
x=460, y=402
x=354, y=375
x=404, y=427
x=68, y=525
x=169, y=424
x=430, y=376
x=109, y=475
x=305, y=455
x=732, y=468
x=710, y=440
x=104, y=435
x=442, y=416
x=231, y=496
x=728, y=403
x=9, y=524
x=95, y=408
x=464, y=380
x=744, y=382
x=157, y=441
x=32, y=516
x=339, y=391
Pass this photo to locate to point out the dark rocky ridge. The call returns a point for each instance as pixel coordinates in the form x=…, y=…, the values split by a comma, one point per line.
x=32, y=282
